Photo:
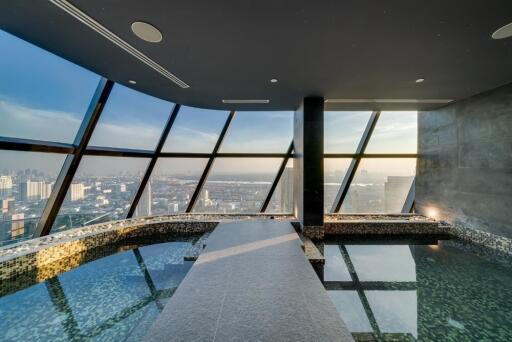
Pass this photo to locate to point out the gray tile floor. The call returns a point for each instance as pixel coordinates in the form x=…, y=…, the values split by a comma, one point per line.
x=251, y=283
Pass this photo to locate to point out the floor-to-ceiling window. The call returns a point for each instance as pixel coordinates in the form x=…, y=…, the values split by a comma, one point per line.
x=370, y=161
x=145, y=156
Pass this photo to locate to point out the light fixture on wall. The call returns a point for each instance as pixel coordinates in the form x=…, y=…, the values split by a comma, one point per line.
x=273, y=80
x=132, y=82
x=146, y=32
x=420, y=80
x=503, y=32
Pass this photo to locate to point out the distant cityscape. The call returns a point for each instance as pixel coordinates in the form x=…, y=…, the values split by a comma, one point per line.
x=94, y=199
x=369, y=192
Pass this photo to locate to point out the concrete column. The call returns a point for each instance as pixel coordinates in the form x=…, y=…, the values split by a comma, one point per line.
x=308, y=142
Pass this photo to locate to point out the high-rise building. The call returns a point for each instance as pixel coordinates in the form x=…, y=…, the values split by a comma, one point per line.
x=17, y=225
x=8, y=206
x=34, y=190
x=77, y=192
x=144, y=206
x=286, y=190
x=5, y=182
x=396, y=189
x=173, y=207
x=5, y=186
x=46, y=190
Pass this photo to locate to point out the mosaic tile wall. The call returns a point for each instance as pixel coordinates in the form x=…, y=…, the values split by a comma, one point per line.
x=41, y=254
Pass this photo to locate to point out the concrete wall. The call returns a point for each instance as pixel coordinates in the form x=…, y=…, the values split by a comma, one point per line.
x=464, y=173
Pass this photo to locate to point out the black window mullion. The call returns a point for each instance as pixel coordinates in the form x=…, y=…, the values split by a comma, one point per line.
x=72, y=161
x=349, y=176
x=409, y=201
x=277, y=178
x=208, y=166
x=154, y=158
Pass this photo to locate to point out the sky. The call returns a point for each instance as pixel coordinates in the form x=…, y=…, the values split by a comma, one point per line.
x=45, y=97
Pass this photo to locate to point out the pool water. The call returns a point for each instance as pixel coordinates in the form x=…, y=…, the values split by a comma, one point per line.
x=115, y=298
x=419, y=291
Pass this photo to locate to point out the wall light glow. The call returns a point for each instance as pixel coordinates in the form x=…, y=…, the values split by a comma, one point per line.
x=432, y=212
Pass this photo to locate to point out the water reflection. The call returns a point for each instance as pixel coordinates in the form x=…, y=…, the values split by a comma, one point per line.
x=413, y=291
x=114, y=298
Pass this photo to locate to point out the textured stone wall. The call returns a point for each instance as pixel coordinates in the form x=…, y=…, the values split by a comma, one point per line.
x=464, y=171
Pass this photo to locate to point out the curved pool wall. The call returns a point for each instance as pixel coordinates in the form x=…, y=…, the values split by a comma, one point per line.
x=49, y=255
x=46, y=254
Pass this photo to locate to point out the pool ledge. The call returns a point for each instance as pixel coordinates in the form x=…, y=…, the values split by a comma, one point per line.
x=38, y=253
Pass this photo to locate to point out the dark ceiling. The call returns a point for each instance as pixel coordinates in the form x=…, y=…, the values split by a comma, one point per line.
x=343, y=49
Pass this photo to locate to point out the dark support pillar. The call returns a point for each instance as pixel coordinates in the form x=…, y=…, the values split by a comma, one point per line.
x=308, y=163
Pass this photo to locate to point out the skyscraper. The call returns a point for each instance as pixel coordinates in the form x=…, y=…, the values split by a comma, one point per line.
x=286, y=190
x=5, y=182
x=77, y=191
x=17, y=225
x=34, y=190
x=144, y=206
x=8, y=206
x=396, y=189
x=5, y=186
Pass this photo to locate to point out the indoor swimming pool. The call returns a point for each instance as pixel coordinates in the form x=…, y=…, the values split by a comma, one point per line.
x=420, y=291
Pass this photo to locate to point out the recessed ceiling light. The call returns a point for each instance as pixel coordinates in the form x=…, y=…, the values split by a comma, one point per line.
x=132, y=82
x=273, y=80
x=503, y=32
x=246, y=101
x=420, y=80
x=146, y=32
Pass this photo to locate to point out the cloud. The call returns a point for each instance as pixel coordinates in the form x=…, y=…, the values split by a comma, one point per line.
x=40, y=124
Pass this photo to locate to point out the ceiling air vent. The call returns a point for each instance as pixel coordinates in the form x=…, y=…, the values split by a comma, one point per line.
x=93, y=24
x=433, y=101
x=246, y=101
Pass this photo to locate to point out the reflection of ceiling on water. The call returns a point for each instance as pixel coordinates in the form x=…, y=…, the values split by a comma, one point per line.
x=378, y=284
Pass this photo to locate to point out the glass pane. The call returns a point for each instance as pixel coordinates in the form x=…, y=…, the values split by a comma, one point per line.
x=171, y=186
x=380, y=186
x=237, y=185
x=131, y=120
x=259, y=132
x=351, y=310
x=42, y=96
x=392, y=263
x=195, y=130
x=334, y=172
x=102, y=190
x=282, y=198
x=343, y=130
x=26, y=181
x=395, y=132
x=395, y=311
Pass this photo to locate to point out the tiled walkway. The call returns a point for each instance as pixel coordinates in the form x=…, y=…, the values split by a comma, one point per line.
x=251, y=283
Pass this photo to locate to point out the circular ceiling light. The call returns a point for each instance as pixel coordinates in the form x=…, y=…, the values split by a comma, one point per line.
x=503, y=32
x=420, y=80
x=132, y=82
x=146, y=32
x=273, y=80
